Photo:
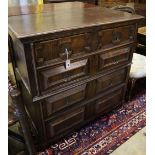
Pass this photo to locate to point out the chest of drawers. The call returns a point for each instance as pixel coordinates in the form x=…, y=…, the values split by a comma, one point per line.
x=98, y=42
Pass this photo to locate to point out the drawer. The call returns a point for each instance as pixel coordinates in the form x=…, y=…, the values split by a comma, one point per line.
x=56, y=103
x=114, y=57
x=55, y=50
x=111, y=80
x=109, y=101
x=116, y=36
x=59, y=76
x=65, y=121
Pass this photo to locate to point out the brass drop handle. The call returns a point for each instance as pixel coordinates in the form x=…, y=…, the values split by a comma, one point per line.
x=115, y=61
x=116, y=37
x=67, y=53
x=65, y=80
x=116, y=41
x=131, y=37
x=64, y=54
x=87, y=48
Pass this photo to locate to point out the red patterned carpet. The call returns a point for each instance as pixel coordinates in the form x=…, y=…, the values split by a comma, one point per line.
x=105, y=134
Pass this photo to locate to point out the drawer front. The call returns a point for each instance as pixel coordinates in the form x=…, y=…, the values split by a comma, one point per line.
x=116, y=36
x=114, y=57
x=55, y=50
x=56, y=103
x=66, y=121
x=61, y=76
x=111, y=80
x=109, y=101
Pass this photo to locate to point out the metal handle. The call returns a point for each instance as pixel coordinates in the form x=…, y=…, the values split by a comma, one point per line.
x=131, y=37
x=116, y=41
x=116, y=37
x=87, y=48
x=65, y=80
x=115, y=61
x=66, y=51
x=64, y=54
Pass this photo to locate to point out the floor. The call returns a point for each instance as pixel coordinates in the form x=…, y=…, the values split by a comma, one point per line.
x=136, y=145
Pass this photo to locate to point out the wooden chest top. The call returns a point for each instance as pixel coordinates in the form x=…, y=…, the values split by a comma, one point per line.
x=99, y=43
x=31, y=25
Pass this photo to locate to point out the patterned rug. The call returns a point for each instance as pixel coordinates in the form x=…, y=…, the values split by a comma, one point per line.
x=105, y=134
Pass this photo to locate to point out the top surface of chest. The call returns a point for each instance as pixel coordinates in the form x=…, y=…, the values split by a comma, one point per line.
x=45, y=8
x=58, y=20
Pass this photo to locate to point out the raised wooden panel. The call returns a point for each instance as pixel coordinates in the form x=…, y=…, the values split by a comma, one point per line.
x=110, y=101
x=116, y=36
x=99, y=43
x=114, y=57
x=111, y=80
x=60, y=101
x=59, y=75
x=65, y=121
x=55, y=50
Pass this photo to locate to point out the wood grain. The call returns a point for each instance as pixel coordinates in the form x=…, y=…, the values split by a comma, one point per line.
x=61, y=20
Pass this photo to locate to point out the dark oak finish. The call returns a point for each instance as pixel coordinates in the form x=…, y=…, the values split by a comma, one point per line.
x=27, y=25
x=111, y=80
x=99, y=43
x=65, y=121
x=21, y=116
x=45, y=8
x=56, y=103
x=60, y=1
x=138, y=6
x=109, y=101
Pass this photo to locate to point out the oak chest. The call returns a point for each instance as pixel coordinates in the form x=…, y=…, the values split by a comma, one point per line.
x=72, y=65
